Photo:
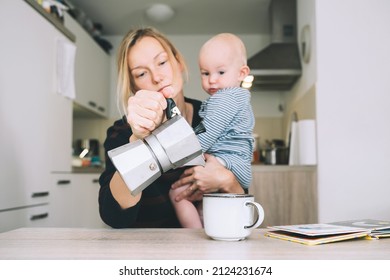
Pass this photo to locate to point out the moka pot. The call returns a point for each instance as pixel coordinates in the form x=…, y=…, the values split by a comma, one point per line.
x=173, y=144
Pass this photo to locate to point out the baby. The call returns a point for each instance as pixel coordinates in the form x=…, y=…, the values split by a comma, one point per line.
x=227, y=115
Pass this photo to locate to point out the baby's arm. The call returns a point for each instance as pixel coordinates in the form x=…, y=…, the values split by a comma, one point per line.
x=222, y=107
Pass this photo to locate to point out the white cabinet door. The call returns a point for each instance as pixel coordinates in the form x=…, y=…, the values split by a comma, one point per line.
x=92, y=70
x=34, y=216
x=60, y=133
x=287, y=194
x=87, y=187
x=74, y=201
x=62, y=201
x=37, y=216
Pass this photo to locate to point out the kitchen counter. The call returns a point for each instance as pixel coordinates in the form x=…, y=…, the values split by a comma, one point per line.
x=260, y=167
x=89, y=169
x=288, y=193
x=183, y=244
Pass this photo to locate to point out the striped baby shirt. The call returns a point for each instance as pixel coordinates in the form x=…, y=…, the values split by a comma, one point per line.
x=229, y=121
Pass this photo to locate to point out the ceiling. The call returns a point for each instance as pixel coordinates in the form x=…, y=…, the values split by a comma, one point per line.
x=191, y=16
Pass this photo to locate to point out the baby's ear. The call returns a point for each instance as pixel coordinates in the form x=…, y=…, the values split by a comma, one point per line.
x=244, y=71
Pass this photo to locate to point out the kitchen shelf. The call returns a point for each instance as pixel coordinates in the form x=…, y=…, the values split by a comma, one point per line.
x=57, y=23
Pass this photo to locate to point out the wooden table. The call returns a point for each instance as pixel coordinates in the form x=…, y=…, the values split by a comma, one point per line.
x=179, y=244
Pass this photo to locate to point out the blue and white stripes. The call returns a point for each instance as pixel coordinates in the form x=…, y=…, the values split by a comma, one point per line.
x=229, y=121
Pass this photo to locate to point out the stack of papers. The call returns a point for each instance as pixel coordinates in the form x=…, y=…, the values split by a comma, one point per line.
x=314, y=234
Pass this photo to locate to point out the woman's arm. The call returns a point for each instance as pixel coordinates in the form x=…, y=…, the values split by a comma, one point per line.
x=121, y=192
x=116, y=205
x=118, y=208
x=145, y=111
x=213, y=177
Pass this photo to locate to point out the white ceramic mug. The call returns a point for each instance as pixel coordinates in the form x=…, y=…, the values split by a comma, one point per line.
x=231, y=217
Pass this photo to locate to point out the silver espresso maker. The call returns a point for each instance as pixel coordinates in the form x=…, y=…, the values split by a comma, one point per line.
x=173, y=144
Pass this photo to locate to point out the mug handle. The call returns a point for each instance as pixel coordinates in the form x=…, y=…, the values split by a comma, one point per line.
x=260, y=214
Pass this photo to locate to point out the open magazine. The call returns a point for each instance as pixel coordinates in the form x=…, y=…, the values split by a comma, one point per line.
x=314, y=234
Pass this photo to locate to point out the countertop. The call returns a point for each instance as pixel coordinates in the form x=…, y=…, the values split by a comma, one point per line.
x=88, y=170
x=281, y=168
x=182, y=244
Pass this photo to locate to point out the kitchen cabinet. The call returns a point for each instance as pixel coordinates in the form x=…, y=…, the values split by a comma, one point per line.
x=288, y=194
x=92, y=71
x=33, y=118
x=74, y=201
x=60, y=130
x=35, y=216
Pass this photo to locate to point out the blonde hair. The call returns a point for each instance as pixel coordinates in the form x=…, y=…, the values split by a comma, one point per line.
x=125, y=84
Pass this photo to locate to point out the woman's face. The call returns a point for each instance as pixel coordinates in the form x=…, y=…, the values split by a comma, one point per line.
x=151, y=67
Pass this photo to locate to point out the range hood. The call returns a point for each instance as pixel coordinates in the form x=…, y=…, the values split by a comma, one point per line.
x=278, y=66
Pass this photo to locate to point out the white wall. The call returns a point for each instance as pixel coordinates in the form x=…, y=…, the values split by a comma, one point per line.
x=301, y=98
x=305, y=16
x=353, y=97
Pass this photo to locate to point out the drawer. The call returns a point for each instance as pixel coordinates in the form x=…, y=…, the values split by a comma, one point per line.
x=33, y=216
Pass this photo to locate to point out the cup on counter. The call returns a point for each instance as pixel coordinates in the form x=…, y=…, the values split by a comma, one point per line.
x=231, y=217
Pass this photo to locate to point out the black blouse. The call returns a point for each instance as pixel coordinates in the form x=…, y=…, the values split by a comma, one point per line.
x=154, y=208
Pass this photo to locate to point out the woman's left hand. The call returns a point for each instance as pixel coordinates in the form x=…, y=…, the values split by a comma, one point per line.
x=213, y=177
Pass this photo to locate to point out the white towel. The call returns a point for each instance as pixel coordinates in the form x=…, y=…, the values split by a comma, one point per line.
x=307, y=142
x=66, y=54
x=303, y=147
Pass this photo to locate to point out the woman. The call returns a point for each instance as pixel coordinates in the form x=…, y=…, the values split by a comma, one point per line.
x=150, y=69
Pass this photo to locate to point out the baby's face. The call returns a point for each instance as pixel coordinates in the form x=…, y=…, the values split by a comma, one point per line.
x=219, y=68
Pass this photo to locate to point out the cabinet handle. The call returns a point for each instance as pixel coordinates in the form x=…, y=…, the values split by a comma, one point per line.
x=63, y=182
x=101, y=109
x=40, y=194
x=92, y=104
x=95, y=181
x=39, y=216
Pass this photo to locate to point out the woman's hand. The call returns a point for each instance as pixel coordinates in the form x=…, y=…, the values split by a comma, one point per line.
x=213, y=177
x=145, y=112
